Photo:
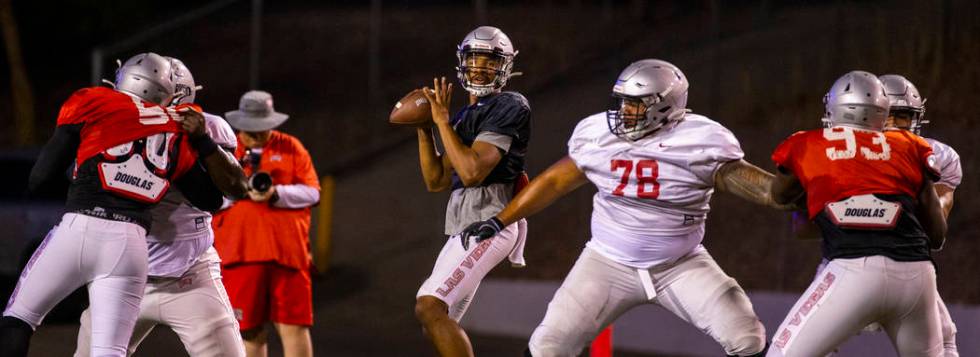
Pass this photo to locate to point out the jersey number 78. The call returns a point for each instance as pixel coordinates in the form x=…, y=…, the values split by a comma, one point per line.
x=647, y=172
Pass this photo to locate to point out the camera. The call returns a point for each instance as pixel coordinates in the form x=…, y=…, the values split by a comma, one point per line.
x=260, y=180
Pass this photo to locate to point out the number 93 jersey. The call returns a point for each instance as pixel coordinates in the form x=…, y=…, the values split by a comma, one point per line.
x=653, y=193
x=839, y=162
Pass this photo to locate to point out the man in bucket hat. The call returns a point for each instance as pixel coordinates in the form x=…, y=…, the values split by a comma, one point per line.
x=263, y=240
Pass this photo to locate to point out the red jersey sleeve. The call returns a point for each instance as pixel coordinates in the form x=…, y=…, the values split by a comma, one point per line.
x=186, y=158
x=781, y=156
x=78, y=107
x=304, y=173
x=927, y=158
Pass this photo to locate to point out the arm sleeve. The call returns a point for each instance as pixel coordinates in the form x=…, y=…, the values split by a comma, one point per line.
x=501, y=141
x=720, y=147
x=948, y=164
x=304, y=191
x=579, y=140
x=196, y=185
x=222, y=133
x=509, y=115
x=55, y=158
x=296, y=196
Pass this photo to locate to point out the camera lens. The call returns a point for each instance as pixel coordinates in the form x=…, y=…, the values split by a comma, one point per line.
x=260, y=181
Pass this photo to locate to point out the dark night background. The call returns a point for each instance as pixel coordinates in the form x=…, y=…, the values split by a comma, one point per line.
x=758, y=67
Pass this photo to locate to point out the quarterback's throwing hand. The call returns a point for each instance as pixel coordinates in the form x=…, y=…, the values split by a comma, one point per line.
x=481, y=230
x=438, y=98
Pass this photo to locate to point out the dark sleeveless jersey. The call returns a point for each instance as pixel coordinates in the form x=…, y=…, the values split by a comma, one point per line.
x=126, y=153
x=905, y=242
x=506, y=113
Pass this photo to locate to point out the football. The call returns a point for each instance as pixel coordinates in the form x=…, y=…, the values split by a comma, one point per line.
x=413, y=109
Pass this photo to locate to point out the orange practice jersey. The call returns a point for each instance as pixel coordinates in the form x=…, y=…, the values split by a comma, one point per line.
x=836, y=163
x=251, y=232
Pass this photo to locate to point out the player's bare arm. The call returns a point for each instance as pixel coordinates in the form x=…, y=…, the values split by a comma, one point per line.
x=557, y=181
x=749, y=182
x=224, y=170
x=436, y=168
x=945, y=197
x=930, y=214
x=472, y=164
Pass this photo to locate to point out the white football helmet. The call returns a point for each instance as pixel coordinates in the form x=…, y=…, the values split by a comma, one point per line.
x=857, y=99
x=185, y=90
x=647, y=95
x=485, y=41
x=148, y=76
x=904, y=99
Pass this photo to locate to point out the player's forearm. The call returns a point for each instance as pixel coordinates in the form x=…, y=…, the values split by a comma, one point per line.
x=433, y=172
x=226, y=174
x=557, y=181
x=465, y=160
x=945, y=198
x=930, y=214
x=749, y=182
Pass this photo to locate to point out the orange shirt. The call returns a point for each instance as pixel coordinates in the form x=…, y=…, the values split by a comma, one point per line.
x=836, y=163
x=249, y=231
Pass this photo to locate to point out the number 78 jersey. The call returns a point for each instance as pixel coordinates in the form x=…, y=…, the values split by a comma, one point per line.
x=653, y=193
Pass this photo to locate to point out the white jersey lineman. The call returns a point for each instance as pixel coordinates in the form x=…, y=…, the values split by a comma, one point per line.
x=184, y=289
x=647, y=226
x=951, y=174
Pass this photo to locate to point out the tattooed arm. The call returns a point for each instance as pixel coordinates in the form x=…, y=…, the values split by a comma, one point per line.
x=751, y=183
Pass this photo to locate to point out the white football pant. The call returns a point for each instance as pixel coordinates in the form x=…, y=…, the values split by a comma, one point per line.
x=109, y=256
x=458, y=273
x=194, y=305
x=849, y=294
x=598, y=290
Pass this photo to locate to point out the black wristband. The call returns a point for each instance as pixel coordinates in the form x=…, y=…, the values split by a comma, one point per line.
x=496, y=221
x=203, y=144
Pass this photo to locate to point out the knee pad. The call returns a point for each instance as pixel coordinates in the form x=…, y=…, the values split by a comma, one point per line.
x=760, y=354
x=748, y=343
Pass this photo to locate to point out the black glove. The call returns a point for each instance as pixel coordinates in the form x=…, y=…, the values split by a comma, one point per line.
x=481, y=230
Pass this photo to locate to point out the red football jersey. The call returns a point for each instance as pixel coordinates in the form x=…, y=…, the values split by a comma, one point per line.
x=111, y=118
x=836, y=163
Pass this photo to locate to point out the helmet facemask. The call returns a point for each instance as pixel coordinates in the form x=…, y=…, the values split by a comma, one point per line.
x=906, y=106
x=911, y=115
x=634, y=118
x=483, y=71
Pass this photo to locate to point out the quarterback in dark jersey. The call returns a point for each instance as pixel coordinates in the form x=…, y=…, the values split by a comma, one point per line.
x=483, y=165
x=127, y=149
x=870, y=191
